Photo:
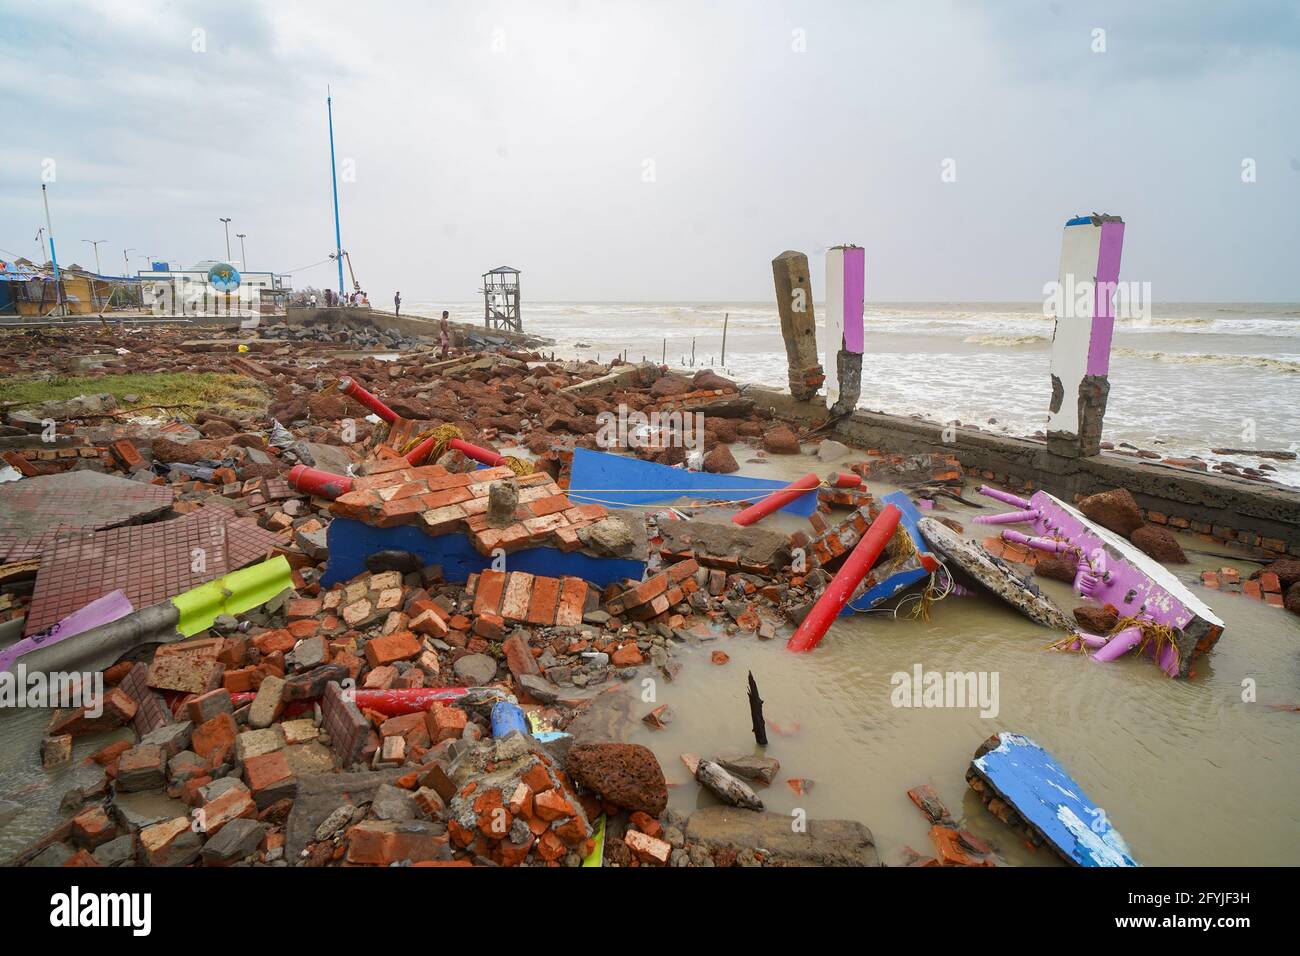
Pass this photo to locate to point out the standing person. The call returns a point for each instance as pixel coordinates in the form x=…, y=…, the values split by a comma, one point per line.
x=444, y=334
x=397, y=303
x=313, y=300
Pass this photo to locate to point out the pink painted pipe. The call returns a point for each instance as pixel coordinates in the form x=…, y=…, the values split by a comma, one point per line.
x=1052, y=545
x=317, y=482
x=1006, y=497
x=1009, y=517
x=1093, y=641
x=1168, y=659
x=354, y=391
x=1120, y=644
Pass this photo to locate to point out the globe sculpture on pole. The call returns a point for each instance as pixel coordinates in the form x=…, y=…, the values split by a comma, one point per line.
x=223, y=277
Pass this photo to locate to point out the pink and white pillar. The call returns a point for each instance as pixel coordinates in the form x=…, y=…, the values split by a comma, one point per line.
x=1085, y=322
x=846, y=284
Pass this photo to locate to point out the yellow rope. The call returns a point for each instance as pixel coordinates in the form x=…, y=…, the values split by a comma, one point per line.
x=1155, y=634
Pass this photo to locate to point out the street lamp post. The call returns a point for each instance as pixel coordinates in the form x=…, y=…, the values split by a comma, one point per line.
x=95, y=243
x=126, y=263
x=226, y=220
x=243, y=255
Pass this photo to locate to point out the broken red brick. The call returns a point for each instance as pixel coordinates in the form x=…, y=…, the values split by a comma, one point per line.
x=445, y=723
x=647, y=849
x=399, y=646
x=543, y=600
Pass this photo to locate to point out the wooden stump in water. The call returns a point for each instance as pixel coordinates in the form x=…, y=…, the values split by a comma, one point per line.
x=756, y=713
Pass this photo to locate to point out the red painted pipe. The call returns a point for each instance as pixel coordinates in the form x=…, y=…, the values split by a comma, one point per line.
x=777, y=499
x=413, y=700
x=317, y=482
x=846, y=580
x=846, y=479
x=390, y=703
x=485, y=455
x=421, y=451
x=354, y=391
x=488, y=457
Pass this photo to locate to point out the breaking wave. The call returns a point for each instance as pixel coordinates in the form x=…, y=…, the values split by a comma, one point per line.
x=1007, y=341
x=1195, y=358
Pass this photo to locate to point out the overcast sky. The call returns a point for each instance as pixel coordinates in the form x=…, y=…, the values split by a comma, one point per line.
x=658, y=150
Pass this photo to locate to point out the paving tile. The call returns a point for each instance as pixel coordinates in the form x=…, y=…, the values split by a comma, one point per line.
x=36, y=511
x=149, y=562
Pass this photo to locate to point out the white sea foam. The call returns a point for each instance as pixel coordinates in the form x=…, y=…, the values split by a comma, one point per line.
x=1191, y=379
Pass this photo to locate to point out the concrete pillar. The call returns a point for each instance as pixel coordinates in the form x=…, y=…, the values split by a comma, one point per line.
x=794, y=301
x=1085, y=320
x=846, y=278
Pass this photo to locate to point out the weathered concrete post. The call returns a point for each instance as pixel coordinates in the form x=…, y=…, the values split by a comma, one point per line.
x=846, y=278
x=794, y=301
x=1085, y=321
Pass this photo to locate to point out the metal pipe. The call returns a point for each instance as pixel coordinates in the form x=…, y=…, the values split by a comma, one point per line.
x=1051, y=545
x=352, y=390
x=1009, y=517
x=390, y=703
x=54, y=256
x=777, y=499
x=323, y=484
x=334, y=177
x=1005, y=497
x=845, y=582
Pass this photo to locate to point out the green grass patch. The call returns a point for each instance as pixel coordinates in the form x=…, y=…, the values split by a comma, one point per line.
x=183, y=393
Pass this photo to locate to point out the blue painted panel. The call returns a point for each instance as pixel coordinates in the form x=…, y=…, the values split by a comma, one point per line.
x=351, y=542
x=619, y=482
x=899, y=582
x=1042, y=792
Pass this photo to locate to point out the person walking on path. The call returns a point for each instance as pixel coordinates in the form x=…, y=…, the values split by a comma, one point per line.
x=397, y=303
x=444, y=334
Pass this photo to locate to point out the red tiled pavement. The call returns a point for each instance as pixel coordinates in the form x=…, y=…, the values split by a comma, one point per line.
x=149, y=562
x=35, y=511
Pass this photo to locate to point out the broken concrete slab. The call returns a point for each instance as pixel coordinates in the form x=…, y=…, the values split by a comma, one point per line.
x=320, y=796
x=825, y=843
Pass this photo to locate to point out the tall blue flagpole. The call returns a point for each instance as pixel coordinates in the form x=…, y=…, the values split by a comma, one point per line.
x=54, y=256
x=338, y=238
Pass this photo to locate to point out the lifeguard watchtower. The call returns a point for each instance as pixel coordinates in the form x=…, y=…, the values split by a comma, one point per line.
x=501, y=299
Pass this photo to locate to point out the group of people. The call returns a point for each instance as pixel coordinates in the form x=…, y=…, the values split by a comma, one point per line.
x=332, y=299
